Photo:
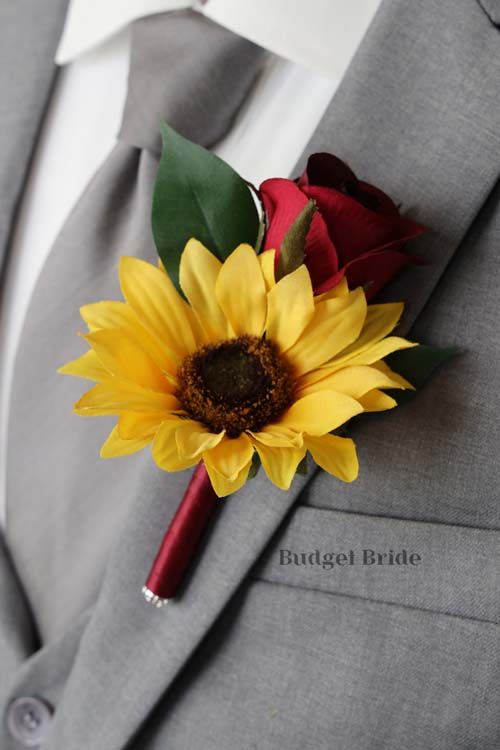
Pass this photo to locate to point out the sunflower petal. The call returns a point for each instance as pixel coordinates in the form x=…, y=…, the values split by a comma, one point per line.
x=133, y=425
x=241, y=292
x=223, y=486
x=115, y=446
x=353, y=381
x=87, y=366
x=321, y=412
x=111, y=314
x=336, y=455
x=380, y=321
x=280, y=464
x=160, y=308
x=290, y=307
x=116, y=396
x=335, y=325
x=108, y=314
x=192, y=439
x=374, y=353
x=377, y=401
x=267, y=261
x=340, y=290
x=277, y=436
x=395, y=376
x=125, y=358
x=199, y=270
x=165, y=451
x=230, y=456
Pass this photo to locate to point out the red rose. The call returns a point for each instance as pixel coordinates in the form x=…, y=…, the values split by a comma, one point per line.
x=357, y=230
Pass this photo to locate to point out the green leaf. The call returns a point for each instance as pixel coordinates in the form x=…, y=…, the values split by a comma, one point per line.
x=417, y=365
x=303, y=467
x=292, y=250
x=198, y=195
x=255, y=466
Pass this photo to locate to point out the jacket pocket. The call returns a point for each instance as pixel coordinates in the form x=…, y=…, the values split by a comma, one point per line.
x=451, y=570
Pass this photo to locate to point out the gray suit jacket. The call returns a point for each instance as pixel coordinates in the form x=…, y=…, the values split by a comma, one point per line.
x=256, y=654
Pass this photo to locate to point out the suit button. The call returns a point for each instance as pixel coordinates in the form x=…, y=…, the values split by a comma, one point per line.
x=28, y=719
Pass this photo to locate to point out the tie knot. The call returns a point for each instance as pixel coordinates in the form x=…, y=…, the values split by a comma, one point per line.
x=189, y=72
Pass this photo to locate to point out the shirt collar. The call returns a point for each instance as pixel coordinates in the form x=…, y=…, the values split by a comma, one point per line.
x=320, y=34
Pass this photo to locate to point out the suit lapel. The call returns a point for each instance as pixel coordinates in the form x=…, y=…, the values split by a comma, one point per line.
x=417, y=115
x=29, y=33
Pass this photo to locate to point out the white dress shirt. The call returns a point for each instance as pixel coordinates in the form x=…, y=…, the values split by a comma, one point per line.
x=313, y=44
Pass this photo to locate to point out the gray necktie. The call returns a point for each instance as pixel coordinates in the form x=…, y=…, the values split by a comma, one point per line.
x=65, y=505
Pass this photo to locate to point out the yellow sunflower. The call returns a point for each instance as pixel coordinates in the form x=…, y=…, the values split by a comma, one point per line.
x=243, y=365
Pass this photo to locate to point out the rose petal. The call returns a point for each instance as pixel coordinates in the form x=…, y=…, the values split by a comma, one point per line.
x=353, y=228
x=375, y=199
x=283, y=201
x=374, y=270
x=328, y=170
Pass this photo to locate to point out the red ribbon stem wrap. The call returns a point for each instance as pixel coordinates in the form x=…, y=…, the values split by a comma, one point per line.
x=181, y=539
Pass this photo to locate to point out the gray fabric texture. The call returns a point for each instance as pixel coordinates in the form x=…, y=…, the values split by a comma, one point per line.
x=492, y=10
x=44, y=674
x=17, y=635
x=297, y=668
x=253, y=654
x=29, y=32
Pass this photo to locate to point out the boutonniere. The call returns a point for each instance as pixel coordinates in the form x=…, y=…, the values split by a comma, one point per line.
x=252, y=344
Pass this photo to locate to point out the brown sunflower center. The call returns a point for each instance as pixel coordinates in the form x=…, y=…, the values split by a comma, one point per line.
x=235, y=385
